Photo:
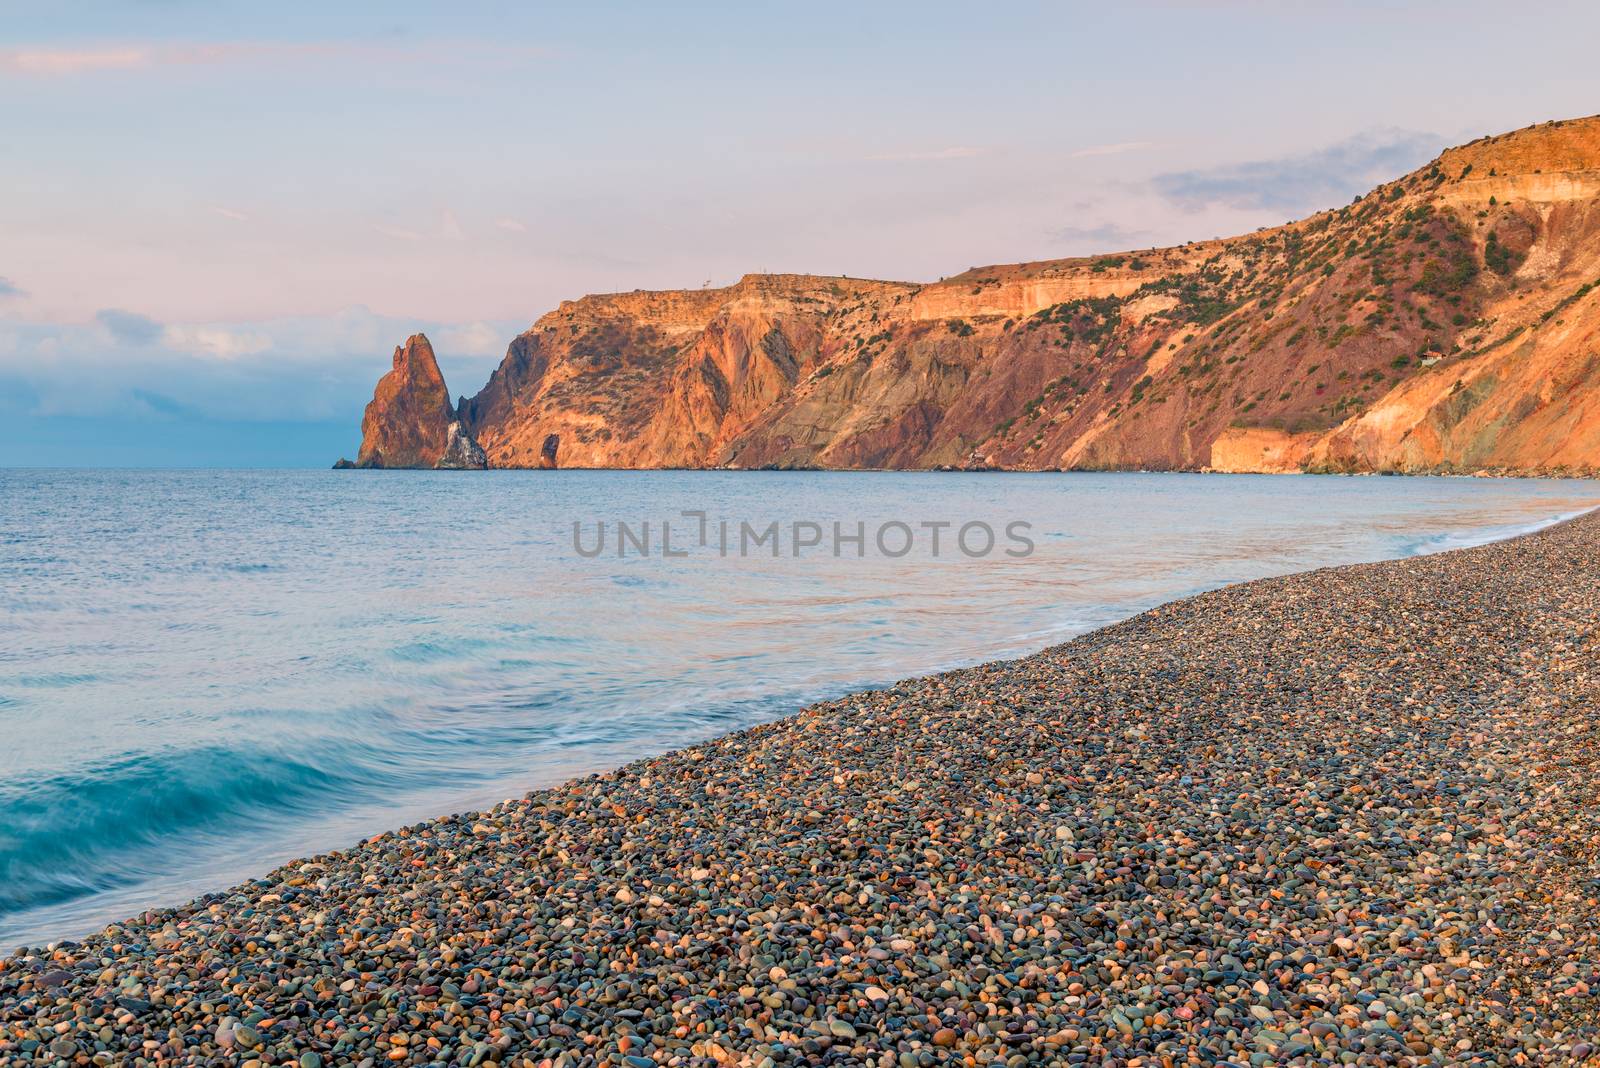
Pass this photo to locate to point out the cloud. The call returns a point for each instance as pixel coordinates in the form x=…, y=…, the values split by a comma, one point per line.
x=59, y=61
x=1106, y=237
x=8, y=288
x=472, y=339
x=954, y=152
x=229, y=213
x=131, y=328
x=448, y=229
x=47, y=62
x=121, y=365
x=218, y=342
x=162, y=405
x=1112, y=150
x=1301, y=183
x=399, y=233
x=511, y=226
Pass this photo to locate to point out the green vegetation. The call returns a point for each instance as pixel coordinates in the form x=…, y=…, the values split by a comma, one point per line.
x=1569, y=300
x=1443, y=276
x=1498, y=258
x=1092, y=320
x=1204, y=298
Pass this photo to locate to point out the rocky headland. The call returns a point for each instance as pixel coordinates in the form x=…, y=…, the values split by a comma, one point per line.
x=1446, y=322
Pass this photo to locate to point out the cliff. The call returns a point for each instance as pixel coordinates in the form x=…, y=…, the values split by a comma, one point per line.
x=1448, y=321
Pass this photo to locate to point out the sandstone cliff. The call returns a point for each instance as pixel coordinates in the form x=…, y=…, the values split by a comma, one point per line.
x=1447, y=321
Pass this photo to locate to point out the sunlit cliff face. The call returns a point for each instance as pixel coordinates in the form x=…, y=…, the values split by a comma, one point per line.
x=1447, y=321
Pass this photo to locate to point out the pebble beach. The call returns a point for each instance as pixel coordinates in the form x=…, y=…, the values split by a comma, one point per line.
x=1343, y=817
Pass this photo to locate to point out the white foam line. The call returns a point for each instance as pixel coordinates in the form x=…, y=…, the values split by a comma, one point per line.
x=1447, y=542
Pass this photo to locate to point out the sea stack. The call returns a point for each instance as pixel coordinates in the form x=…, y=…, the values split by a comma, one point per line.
x=411, y=421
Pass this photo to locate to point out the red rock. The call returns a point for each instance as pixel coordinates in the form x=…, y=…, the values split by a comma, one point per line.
x=408, y=422
x=1446, y=321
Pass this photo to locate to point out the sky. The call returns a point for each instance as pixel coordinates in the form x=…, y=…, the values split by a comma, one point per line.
x=218, y=219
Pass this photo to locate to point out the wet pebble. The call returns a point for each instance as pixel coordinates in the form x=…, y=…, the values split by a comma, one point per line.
x=1348, y=817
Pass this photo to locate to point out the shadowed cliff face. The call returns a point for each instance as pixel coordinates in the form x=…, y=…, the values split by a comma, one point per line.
x=407, y=424
x=1447, y=321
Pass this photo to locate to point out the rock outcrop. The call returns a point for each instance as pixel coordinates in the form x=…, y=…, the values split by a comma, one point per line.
x=411, y=422
x=1447, y=321
x=461, y=452
x=407, y=424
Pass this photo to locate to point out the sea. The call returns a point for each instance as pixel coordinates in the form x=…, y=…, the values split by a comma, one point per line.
x=206, y=673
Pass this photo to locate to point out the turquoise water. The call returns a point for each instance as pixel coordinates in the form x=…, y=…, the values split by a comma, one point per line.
x=205, y=673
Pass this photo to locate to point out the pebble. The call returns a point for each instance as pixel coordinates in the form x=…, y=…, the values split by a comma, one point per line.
x=1349, y=817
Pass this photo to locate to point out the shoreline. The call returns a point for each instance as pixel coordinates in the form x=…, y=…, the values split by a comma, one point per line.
x=1507, y=533
x=1577, y=475
x=988, y=885
x=81, y=918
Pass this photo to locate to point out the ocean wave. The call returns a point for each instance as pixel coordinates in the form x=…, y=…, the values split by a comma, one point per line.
x=53, y=680
x=79, y=832
x=131, y=819
x=1466, y=539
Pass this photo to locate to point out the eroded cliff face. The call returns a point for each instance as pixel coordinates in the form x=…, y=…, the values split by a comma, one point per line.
x=669, y=379
x=1447, y=321
x=1522, y=392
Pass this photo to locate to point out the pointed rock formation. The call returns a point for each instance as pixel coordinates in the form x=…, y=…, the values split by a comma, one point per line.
x=411, y=422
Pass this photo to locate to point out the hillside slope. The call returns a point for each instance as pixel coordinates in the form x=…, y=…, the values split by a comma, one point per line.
x=1447, y=321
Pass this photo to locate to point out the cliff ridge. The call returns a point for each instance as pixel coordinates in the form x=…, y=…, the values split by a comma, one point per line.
x=1447, y=321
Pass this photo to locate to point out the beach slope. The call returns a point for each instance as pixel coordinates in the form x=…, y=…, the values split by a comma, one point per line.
x=1343, y=816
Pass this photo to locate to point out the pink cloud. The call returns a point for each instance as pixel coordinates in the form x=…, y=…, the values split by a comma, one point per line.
x=954, y=152
x=55, y=61
x=1111, y=150
x=58, y=62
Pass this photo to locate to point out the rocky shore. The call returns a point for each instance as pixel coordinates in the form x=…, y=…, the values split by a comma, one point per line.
x=1341, y=817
